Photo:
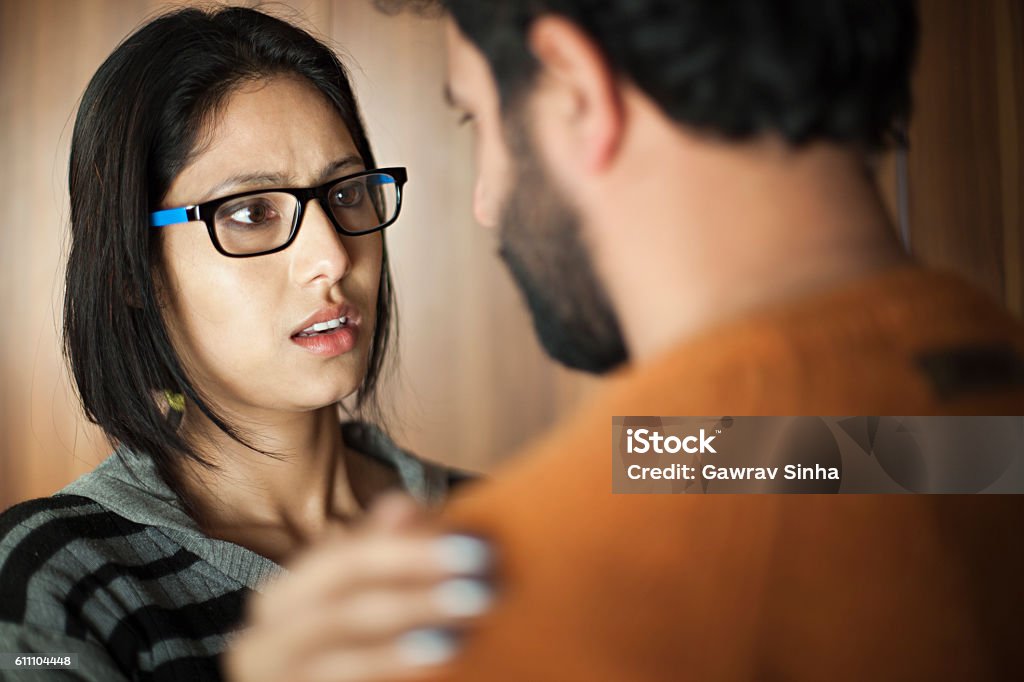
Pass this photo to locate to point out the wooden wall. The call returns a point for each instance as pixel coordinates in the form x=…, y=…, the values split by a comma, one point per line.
x=966, y=144
x=473, y=384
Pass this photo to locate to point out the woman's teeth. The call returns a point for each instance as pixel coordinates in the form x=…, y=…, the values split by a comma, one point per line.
x=321, y=327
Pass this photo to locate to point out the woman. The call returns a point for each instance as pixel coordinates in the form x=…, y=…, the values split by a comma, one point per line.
x=227, y=287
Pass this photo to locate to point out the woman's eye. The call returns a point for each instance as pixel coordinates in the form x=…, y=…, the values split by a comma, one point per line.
x=348, y=196
x=253, y=214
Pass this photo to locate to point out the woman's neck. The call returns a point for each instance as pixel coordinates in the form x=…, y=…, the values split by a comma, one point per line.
x=276, y=504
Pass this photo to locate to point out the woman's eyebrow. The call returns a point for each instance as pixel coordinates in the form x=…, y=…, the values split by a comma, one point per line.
x=259, y=179
x=335, y=166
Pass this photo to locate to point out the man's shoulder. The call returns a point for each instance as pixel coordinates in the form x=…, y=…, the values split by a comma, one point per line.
x=908, y=341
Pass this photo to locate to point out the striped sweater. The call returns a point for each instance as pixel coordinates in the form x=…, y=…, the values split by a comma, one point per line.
x=112, y=568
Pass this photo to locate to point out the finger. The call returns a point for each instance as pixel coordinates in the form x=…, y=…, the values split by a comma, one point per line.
x=253, y=655
x=416, y=653
x=377, y=618
x=367, y=562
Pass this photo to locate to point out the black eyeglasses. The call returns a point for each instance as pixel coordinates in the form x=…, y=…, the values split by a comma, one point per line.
x=267, y=220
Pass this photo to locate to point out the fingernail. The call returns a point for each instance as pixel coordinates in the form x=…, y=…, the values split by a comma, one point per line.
x=428, y=646
x=463, y=597
x=463, y=553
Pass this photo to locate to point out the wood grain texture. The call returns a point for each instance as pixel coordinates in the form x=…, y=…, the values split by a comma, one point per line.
x=965, y=153
x=1009, y=48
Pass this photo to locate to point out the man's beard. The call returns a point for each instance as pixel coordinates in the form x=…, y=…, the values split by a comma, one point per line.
x=542, y=246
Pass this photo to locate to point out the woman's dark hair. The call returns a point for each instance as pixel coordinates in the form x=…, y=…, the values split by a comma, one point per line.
x=139, y=123
x=805, y=69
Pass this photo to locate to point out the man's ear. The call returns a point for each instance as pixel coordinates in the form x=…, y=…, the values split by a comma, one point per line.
x=571, y=60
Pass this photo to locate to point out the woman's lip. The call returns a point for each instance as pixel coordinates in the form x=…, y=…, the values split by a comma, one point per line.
x=329, y=313
x=349, y=322
x=331, y=343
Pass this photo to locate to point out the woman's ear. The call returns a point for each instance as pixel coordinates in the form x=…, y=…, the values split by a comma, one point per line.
x=591, y=106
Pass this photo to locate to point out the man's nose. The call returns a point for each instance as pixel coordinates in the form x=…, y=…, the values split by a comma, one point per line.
x=485, y=209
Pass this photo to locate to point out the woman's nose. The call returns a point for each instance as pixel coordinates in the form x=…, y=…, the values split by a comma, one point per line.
x=319, y=253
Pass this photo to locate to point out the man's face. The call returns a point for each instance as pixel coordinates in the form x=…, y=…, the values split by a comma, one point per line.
x=538, y=230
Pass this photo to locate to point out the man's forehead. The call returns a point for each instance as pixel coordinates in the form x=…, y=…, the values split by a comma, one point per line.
x=454, y=39
x=467, y=70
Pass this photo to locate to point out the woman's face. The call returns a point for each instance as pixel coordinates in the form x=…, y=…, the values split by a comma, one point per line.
x=235, y=321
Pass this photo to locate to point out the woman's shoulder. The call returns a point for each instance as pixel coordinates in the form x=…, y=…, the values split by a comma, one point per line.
x=53, y=548
x=78, y=578
x=44, y=525
x=44, y=548
x=40, y=510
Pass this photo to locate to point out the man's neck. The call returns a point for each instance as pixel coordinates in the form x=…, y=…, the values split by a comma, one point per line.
x=717, y=231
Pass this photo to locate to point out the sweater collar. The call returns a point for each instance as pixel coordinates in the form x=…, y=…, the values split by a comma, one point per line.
x=128, y=484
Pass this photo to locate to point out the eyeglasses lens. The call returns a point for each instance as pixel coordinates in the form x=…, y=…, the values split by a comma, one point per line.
x=256, y=223
x=263, y=222
x=365, y=203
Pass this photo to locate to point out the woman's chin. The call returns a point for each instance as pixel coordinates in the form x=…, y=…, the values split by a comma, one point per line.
x=328, y=398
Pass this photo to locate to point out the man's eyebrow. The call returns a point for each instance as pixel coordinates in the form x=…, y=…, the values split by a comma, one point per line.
x=259, y=179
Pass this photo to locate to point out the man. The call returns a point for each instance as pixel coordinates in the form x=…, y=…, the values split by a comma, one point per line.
x=682, y=192
x=687, y=184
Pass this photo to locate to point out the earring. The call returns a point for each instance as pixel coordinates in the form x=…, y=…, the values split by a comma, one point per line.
x=176, y=401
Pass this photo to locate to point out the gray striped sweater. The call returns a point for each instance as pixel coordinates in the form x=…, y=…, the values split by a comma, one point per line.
x=112, y=568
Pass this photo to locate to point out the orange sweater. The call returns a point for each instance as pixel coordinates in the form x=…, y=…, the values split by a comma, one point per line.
x=595, y=586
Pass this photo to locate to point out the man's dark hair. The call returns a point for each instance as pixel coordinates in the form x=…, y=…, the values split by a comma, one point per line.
x=809, y=70
x=140, y=121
